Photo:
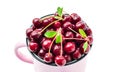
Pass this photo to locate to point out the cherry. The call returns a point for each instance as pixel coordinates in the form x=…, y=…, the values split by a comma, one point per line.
x=75, y=18
x=35, y=34
x=45, y=22
x=57, y=25
x=69, y=34
x=88, y=31
x=48, y=57
x=80, y=25
x=36, y=22
x=90, y=39
x=46, y=44
x=66, y=18
x=81, y=49
x=67, y=57
x=51, y=19
x=33, y=27
x=56, y=49
x=78, y=36
x=66, y=25
x=76, y=54
x=28, y=32
x=41, y=53
x=69, y=47
x=33, y=46
x=60, y=60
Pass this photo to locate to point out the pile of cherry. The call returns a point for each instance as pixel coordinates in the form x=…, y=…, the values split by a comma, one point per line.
x=59, y=40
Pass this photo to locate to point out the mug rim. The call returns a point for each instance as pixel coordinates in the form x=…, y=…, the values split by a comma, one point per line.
x=53, y=64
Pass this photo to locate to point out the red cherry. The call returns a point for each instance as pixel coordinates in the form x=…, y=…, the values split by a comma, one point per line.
x=75, y=18
x=60, y=61
x=35, y=34
x=28, y=32
x=41, y=53
x=69, y=47
x=80, y=25
x=48, y=57
x=81, y=49
x=46, y=44
x=76, y=54
x=68, y=58
x=33, y=46
x=56, y=49
x=78, y=36
x=66, y=25
x=88, y=32
x=90, y=39
x=57, y=25
x=69, y=34
x=66, y=18
x=45, y=22
x=36, y=22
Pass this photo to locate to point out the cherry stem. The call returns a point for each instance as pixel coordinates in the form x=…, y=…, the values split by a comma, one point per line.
x=61, y=50
x=51, y=44
x=53, y=41
x=74, y=31
x=73, y=39
x=48, y=26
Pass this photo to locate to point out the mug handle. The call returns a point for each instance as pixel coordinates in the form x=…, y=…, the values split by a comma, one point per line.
x=20, y=55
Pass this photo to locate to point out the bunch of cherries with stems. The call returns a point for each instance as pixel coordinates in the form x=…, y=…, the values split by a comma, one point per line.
x=59, y=38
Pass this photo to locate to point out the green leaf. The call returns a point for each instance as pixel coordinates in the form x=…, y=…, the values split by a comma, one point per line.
x=58, y=38
x=59, y=11
x=82, y=33
x=50, y=34
x=85, y=45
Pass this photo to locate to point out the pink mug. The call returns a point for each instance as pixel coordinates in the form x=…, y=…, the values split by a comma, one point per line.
x=78, y=66
x=41, y=66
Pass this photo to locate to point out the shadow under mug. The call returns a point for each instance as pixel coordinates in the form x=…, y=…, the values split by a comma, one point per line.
x=41, y=66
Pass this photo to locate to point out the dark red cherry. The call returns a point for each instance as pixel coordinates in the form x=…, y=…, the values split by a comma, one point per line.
x=75, y=18
x=66, y=25
x=66, y=18
x=60, y=60
x=33, y=46
x=41, y=53
x=36, y=22
x=57, y=25
x=67, y=57
x=69, y=47
x=76, y=54
x=69, y=34
x=51, y=19
x=56, y=49
x=48, y=57
x=28, y=32
x=88, y=32
x=80, y=25
x=46, y=44
x=81, y=49
x=36, y=34
x=45, y=22
x=78, y=36
x=90, y=38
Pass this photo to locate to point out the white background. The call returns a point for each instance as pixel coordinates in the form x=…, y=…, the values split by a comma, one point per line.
x=103, y=16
